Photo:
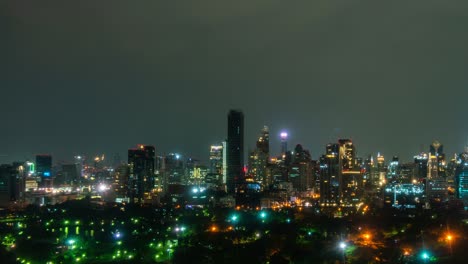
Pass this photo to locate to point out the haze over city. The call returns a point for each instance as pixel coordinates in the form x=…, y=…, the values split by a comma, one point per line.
x=99, y=77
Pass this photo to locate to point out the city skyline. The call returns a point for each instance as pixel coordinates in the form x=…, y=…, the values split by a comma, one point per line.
x=322, y=71
x=275, y=145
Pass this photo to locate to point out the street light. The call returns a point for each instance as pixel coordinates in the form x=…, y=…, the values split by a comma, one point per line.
x=425, y=256
x=449, y=239
x=342, y=245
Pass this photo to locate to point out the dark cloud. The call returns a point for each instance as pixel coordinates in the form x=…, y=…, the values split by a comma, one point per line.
x=101, y=76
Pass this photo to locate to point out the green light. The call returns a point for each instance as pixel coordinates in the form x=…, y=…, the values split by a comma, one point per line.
x=234, y=218
x=425, y=255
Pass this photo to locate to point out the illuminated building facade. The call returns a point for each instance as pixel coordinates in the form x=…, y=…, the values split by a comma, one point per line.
x=217, y=163
x=404, y=196
x=436, y=182
x=329, y=176
x=350, y=176
x=393, y=169
x=258, y=159
x=461, y=183
x=141, y=173
x=235, y=150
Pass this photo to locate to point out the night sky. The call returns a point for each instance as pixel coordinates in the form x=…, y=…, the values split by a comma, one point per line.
x=89, y=77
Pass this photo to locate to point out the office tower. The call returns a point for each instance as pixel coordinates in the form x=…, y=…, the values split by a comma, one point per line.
x=436, y=163
x=235, y=150
x=258, y=159
x=12, y=182
x=263, y=142
x=371, y=174
x=461, y=182
x=120, y=182
x=329, y=180
x=216, y=160
x=141, y=173
x=44, y=170
x=393, y=168
x=68, y=175
x=407, y=173
x=174, y=168
x=301, y=172
x=436, y=183
x=350, y=176
x=223, y=179
x=381, y=168
x=7, y=184
x=79, y=162
x=421, y=161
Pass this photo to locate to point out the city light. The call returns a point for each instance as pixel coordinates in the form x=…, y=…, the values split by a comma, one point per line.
x=449, y=237
x=342, y=245
x=284, y=135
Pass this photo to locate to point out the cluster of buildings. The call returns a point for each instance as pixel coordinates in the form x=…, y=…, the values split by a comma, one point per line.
x=337, y=180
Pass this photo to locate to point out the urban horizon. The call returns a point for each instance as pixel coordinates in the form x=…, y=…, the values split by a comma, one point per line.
x=405, y=157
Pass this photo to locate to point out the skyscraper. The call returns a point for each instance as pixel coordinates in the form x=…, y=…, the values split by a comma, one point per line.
x=141, y=172
x=329, y=180
x=350, y=176
x=258, y=159
x=216, y=159
x=44, y=169
x=263, y=142
x=235, y=149
x=341, y=180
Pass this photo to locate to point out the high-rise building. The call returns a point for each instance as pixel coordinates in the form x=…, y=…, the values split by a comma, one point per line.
x=436, y=183
x=461, y=183
x=301, y=172
x=68, y=176
x=393, y=168
x=235, y=150
x=263, y=142
x=329, y=176
x=341, y=179
x=421, y=161
x=44, y=170
x=216, y=162
x=141, y=173
x=350, y=176
x=174, y=168
x=258, y=159
x=381, y=168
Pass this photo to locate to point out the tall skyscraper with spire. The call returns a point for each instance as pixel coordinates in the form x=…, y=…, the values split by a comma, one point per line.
x=235, y=150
